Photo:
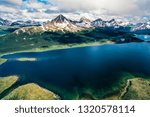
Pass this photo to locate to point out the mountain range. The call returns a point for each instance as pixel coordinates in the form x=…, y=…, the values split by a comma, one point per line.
x=4, y=22
x=25, y=23
x=61, y=23
x=62, y=31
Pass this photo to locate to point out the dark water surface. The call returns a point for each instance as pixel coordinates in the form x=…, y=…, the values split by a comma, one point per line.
x=71, y=72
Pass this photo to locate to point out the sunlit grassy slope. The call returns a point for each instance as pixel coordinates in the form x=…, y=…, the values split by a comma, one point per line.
x=30, y=92
x=7, y=82
x=2, y=61
x=53, y=40
x=132, y=89
x=138, y=89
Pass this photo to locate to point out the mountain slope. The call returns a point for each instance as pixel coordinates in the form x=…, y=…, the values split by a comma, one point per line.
x=61, y=23
x=7, y=82
x=141, y=28
x=30, y=91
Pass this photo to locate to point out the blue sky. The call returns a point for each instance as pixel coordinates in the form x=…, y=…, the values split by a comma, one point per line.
x=47, y=9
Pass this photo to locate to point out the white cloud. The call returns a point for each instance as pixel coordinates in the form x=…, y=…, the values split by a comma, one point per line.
x=32, y=9
x=11, y=2
x=7, y=9
x=34, y=4
x=120, y=7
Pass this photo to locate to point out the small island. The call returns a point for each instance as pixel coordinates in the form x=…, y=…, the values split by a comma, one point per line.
x=27, y=59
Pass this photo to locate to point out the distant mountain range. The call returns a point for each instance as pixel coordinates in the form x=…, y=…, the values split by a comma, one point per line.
x=25, y=23
x=5, y=22
x=61, y=23
x=18, y=23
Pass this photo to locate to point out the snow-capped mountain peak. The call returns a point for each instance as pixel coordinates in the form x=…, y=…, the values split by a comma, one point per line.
x=84, y=19
x=99, y=19
x=4, y=22
x=63, y=24
x=84, y=22
x=141, y=26
x=98, y=23
x=60, y=19
x=112, y=23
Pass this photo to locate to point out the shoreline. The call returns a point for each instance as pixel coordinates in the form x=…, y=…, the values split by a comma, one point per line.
x=128, y=83
x=123, y=90
x=59, y=47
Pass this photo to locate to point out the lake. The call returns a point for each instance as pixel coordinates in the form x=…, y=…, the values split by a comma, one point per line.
x=143, y=37
x=87, y=70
